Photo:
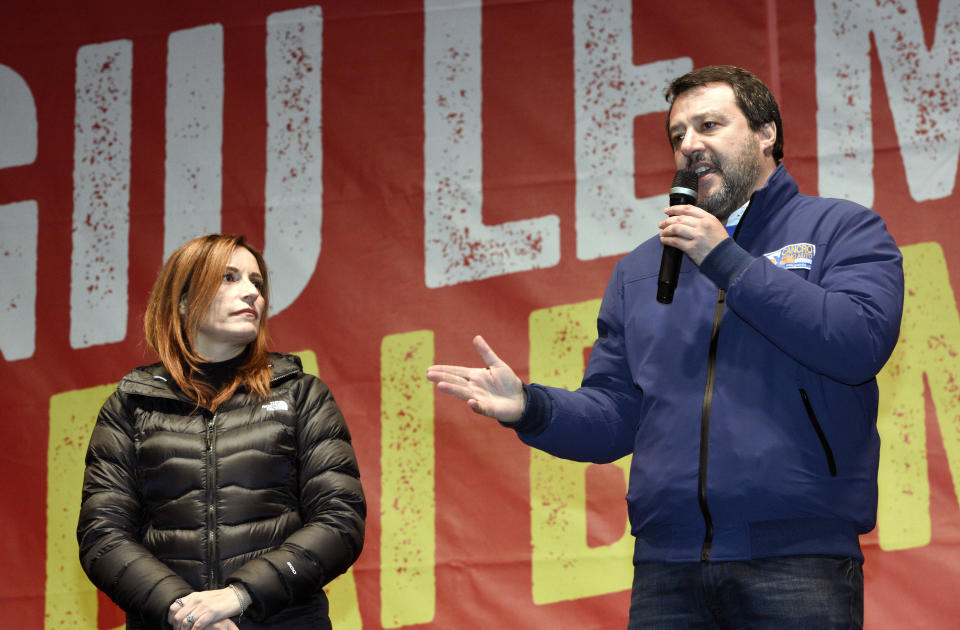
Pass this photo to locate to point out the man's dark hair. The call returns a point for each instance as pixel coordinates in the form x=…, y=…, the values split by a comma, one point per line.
x=753, y=97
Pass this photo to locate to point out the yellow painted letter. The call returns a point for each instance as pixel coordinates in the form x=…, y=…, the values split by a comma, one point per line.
x=564, y=566
x=342, y=591
x=929, y=344
x=407, y=504
x=71, y=599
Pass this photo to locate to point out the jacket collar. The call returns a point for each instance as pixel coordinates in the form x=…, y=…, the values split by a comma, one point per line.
x=767, y=201
x=775, y=193
x=154, y=380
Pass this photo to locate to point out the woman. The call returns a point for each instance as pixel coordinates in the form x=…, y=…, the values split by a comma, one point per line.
x=221, y=489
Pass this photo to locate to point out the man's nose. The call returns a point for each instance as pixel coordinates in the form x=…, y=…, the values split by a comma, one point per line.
x=691, y=143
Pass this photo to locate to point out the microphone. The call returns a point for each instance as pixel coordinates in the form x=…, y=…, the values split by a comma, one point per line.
x=683, y=191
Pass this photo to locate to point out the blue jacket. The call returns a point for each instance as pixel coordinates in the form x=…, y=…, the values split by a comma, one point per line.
x=750, y=403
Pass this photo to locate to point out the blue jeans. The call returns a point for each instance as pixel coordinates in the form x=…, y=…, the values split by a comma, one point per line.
x=793, y=593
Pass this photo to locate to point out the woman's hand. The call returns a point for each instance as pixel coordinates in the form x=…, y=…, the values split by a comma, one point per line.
x=205, y=609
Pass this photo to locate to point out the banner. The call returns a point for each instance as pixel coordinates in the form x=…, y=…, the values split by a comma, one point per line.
x=417, y=172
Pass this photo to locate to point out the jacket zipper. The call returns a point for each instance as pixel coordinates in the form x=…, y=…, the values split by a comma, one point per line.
x=213, y=544
x=705, y=428
x=708, y=402
x=831, y=461
x=213, y=578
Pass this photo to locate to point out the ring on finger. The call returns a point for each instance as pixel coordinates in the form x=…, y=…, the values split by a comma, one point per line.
x=180, y=601
x=190, y=619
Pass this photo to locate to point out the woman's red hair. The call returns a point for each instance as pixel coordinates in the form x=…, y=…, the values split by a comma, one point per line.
x=181, y=297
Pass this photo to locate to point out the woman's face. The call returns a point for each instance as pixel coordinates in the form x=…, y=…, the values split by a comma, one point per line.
x=234, y=316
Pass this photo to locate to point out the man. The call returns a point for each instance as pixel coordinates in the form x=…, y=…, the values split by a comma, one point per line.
x=750, y=403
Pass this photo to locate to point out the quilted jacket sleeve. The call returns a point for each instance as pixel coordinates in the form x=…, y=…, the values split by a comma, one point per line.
x=331, y=504
x=109, y=525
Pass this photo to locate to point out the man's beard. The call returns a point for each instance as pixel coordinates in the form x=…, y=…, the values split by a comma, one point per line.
x=736, y=186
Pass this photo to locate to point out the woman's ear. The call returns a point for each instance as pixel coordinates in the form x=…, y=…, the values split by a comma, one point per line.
x=183, y=305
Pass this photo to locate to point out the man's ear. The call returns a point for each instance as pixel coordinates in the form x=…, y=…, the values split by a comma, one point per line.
x=767, y=134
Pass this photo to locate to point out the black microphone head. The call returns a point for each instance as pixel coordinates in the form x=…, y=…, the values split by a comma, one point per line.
x=685, y=178
x=683, y=191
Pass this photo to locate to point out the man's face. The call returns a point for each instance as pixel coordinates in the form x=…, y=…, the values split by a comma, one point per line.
x=711, y=136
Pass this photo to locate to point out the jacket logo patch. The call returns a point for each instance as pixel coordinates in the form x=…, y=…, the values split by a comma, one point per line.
x=276, y=405
x=796, y=256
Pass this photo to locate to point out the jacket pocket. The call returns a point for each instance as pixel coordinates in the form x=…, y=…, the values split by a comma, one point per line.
x=827, y=451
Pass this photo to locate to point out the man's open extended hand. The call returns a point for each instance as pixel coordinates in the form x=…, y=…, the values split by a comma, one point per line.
x=494, y=390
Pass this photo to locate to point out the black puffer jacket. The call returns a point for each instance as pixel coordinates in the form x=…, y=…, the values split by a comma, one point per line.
x=263, y=492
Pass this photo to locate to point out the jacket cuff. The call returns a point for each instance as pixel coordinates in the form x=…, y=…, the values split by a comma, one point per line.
x=536, y=412
x=725, y=263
